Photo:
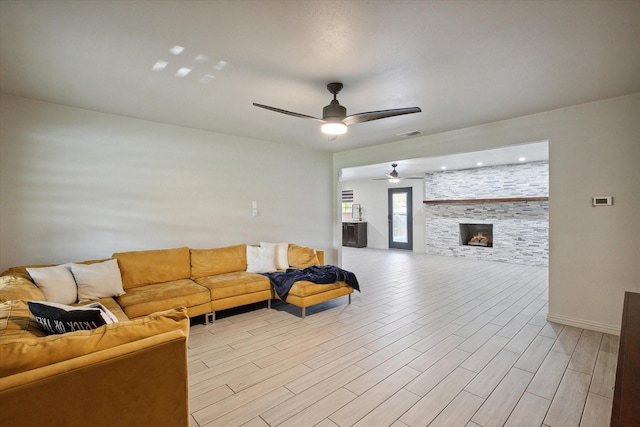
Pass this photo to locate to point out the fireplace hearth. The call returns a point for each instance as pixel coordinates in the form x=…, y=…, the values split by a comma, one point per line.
x=476, y=235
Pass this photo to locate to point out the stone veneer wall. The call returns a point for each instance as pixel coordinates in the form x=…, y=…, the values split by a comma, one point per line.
x=520, y=229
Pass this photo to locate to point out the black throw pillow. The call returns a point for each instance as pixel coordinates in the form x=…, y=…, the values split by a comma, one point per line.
x=58, y=319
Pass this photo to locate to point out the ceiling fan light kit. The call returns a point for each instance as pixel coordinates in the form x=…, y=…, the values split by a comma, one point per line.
x=393, y=175
x=337, y=128
x=334, y=116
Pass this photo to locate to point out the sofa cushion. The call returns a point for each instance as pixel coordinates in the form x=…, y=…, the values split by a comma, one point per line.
x=115, y=309
x=56, y=282
x=144, y=300
x=305, y=288
x=24, y=354
x=234, y=284
x=209, y=262
x=139, y=268
x=301, y=257
x=99, y=280
x=18, y=286
x=60, y=318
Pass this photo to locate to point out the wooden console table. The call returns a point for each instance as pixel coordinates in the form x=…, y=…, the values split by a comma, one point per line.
x=354, y=234
x=626, y=395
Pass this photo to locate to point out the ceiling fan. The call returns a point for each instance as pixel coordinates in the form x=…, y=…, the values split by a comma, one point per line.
x=334, y=115
x=394, y=176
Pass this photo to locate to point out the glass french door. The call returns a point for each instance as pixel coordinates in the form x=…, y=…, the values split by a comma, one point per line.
x=400, y=218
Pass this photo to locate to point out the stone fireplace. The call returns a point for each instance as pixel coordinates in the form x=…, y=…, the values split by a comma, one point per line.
x=496, y=213
x=519, y=231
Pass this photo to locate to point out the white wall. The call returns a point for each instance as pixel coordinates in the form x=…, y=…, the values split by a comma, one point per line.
x=594, y=150
x=373, y=196
x=77, y=184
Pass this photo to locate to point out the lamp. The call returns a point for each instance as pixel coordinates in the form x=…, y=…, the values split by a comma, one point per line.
x=334, y=128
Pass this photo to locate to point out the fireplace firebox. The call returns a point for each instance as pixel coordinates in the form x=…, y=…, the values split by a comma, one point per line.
x=476, y=235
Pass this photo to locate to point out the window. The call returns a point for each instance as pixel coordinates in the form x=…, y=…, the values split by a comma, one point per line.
x=347, y=201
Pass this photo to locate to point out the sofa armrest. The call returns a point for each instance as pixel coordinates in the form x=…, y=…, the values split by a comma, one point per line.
x=19, y=287
x=144, y=382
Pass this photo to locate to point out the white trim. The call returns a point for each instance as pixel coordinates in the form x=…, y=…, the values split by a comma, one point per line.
x=584, y=324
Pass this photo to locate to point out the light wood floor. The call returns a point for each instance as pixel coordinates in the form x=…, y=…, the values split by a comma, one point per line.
x=431, y=340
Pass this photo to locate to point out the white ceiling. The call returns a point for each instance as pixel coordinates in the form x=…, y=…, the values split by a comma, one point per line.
x=463, y=62
x=416, y=168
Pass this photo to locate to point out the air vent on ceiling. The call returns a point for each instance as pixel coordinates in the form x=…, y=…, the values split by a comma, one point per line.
x=410, y=133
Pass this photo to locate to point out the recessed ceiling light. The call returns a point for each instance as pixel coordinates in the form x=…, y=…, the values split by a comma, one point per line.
x=207, y=78
x=443, y=167
x=479, y=164
x=220, y=65
x=183, y=71
x=176, y=50
x=201, y=58
x=522, y=159
x=160, y=65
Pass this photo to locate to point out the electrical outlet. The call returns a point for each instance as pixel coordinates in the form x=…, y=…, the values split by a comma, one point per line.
x=602, y=201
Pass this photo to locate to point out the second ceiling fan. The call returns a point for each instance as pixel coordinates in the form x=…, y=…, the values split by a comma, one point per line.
x=334, y=116
x=394, y=176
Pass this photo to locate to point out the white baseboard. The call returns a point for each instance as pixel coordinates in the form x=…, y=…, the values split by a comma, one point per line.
x=584, y=324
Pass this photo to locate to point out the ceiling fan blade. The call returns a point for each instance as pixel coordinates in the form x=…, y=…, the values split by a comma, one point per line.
x=290, y=113
x=375, y=115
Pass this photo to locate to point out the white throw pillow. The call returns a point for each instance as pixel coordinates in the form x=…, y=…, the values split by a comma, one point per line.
x=57, y=283
x=100, y=280
x=260, y=260
x=281, y=254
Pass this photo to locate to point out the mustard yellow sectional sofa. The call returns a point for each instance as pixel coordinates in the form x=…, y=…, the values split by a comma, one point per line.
x=209, y=280
x=133, y=372
x=201, y=280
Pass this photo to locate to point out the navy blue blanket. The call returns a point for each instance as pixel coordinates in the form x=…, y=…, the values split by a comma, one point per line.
x=320, y=274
